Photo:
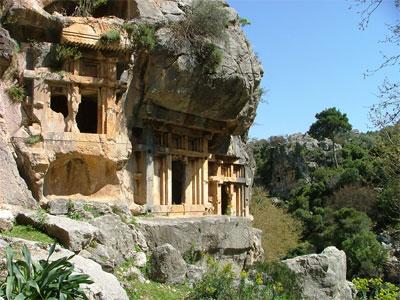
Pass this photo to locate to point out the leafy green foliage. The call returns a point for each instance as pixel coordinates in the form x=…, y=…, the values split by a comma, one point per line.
x=62, y=53
x=206, y=18
x=111, y=36
x=45, y=279
x=141, y=35
x=16, y=93
x=244, y=22
x=341, y=206
x=365, y=255
x=375, y=288
x=27, y=232
x=209, y=57
x=33, y=139
x=205, y=21
x=218, y=283
x=330, y=122
x=389, y=203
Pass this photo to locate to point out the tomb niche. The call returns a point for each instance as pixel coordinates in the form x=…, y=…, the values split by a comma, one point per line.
x=81, y=175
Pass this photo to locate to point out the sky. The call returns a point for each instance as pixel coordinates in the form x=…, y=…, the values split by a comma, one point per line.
x=314, y=56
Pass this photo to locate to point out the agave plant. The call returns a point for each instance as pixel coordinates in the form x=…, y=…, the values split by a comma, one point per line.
x=43, y=279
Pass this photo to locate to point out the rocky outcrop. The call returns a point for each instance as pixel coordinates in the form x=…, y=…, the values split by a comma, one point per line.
x=73, y=234
x=167, y=265
x=7, y=48
x=115, y=243
x=105, y=285
x=322, y=276
x=291, y=158
x=230, y=239
x=13, y=189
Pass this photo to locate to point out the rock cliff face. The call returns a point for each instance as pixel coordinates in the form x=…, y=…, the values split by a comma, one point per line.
x=163, y=84
x=292, y=158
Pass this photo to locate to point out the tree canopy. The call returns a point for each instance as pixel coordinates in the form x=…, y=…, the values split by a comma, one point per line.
x=330, y=122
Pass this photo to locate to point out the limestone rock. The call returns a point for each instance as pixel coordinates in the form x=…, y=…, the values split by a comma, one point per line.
x=72, y=234
x=6, y=220
x=13, y=189
x=7, y=47
x=392, y=270
x=231, y=238
x=322, y=276
x=115, y=241
x=167, y=265
x=26, y=19
x=139, y=259
x=195, y=273
x=58, y=207
x=287, y=162
x=105, y=285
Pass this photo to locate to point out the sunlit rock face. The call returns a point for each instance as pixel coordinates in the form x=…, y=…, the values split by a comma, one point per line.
x=117, y=123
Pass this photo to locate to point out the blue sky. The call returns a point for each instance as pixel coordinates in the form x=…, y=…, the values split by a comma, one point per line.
x=314, y=57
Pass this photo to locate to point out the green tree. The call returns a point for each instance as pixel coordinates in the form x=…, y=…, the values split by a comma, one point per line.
x=330, y=122
x=365, y=255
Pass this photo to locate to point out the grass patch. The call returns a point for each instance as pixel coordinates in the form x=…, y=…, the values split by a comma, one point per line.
x=111, y=36
x=27, y=232
x=281, y=231
x=156, y=291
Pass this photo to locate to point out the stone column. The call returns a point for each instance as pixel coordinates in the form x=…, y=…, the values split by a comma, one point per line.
x=148, y=134
x=168, y=195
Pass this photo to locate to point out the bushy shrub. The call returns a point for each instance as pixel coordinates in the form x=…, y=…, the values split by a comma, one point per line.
x=142, y=35
x=62, y=53
x=244, y=22
x=365, y=255
x=16, y=93
x=359, y=197
x=217, y=283
x=343, y=224
x=206, y=18
x=33, y=139
x=280, y=279
x=111, y=36
x=45, y=279
x=209, y=57
x=281, y=232
x=389, y=204
x=375, y=288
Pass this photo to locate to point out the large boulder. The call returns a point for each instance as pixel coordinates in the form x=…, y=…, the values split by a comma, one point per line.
x=115, y=242
x=322, y=276
x=167, y=265
x=105, y=285
x=73, y=234
x=232, y=239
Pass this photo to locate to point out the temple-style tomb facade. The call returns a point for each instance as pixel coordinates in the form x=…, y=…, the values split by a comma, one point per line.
x=96, y=144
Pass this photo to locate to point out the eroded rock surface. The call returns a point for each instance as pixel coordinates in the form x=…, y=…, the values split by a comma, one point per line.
x=73, y=234
x=322, y=276
x=167, y=265
x=230, y=239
